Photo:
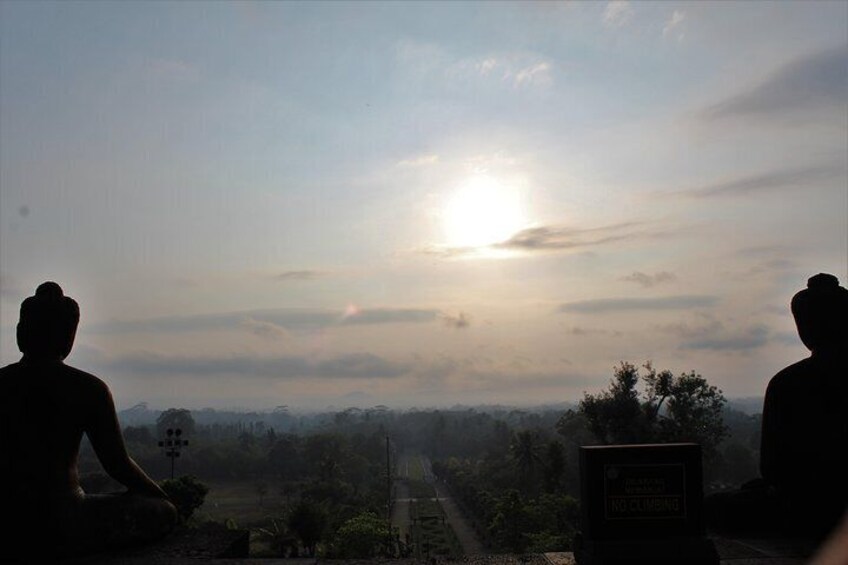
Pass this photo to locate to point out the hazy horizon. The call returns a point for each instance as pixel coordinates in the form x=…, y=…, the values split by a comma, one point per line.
x=421, y=204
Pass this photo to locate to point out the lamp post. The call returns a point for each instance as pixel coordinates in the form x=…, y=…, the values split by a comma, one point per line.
x=172, y=445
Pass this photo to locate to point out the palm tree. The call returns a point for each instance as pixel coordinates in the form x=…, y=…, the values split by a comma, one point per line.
x=525, y=451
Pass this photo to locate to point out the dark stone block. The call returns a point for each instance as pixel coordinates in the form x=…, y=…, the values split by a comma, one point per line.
x=642, y=504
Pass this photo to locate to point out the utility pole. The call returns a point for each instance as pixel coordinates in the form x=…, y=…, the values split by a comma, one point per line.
x=388, y=483
x=173, y=445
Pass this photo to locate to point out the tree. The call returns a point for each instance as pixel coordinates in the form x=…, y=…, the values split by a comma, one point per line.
x=138, y=434
x=308, y=521
x=525, y=453
x=669, y=409
x=175, y=418
x=554, y=465
x=261, y=488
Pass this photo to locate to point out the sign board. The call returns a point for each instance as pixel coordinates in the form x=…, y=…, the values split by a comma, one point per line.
x=639, y=491
x=642, y=504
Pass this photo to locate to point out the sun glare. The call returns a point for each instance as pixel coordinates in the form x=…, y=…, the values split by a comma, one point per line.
x=483, y=211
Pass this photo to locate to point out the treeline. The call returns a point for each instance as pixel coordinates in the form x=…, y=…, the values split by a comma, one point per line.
x=514, y=472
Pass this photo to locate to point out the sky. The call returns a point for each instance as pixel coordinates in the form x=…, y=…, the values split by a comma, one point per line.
x=420, y=204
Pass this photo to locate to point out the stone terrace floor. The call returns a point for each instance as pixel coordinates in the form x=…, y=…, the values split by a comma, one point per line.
x=199, y=549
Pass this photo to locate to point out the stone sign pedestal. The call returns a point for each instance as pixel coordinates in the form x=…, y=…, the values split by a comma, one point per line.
x=642, y=504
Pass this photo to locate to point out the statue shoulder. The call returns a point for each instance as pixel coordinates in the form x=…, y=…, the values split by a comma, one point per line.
x=91, y=384
x=795, y=378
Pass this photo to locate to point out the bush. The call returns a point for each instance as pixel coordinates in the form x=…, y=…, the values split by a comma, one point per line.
x=187, y=494
x=362, y=537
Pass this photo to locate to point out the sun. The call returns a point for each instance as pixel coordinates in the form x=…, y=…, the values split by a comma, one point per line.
x=482, y=211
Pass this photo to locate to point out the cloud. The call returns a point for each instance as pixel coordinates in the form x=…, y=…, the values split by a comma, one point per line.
x=420, y=161
x=264, y=329
x=436, y=65
x=388, y=316
x=707, y=329
x=813, y=82
x=546, y=238
x=460, y=321
x=289, y=319
x=710, y=334
x=487, y=65
x=349, y=366
x=617, y=14
x=543, y=239
x=650, y=280
x=675, y=24
x=787, y=338
x=580, y=331
x=605, y=305
x=752, y=338
x=305, y=275
x=774, y=180
x=448, y=252
x=538, y=73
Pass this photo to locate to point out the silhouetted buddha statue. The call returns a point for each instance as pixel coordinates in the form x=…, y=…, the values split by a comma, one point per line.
x=45, y=408
x=804, y=450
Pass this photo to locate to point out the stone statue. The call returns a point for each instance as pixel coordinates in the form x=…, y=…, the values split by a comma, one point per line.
x=45, y=408
x=804, y=450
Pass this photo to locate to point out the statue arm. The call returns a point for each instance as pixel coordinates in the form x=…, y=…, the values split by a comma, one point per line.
x=104, y=431
x=773, y=436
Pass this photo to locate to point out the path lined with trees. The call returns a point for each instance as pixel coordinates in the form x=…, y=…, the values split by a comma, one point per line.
x=425, y=515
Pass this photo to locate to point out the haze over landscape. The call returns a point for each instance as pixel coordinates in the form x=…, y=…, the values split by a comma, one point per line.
x=420, y=204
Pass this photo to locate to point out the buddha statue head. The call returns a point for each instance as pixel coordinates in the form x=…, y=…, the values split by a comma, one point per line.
x=821, y=313
x=48, y=323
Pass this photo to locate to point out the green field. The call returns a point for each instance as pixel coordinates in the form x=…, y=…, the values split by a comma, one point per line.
x=430, y=534
x=420, y=489
x=416, y=471
x=432, y=537
x=240, y=501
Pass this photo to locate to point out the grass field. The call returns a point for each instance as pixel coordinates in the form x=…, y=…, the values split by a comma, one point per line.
x=420, y=489
x=433, y=537
x=240, y=501
x=416, y=471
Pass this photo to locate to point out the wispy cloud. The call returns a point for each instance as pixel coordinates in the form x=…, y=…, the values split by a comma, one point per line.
x=546, y=238
x=606, y=305
x=389, y=316
x=814, y=82
x=617, y=14
x=751, y=338
x=264, y=329
x=350, y=366
x=305, y=275
x=537, y=73
x=773, y=180
x=581, y=331
x=419, y=161
x=458, y=321
x=706, y=328
x=432, y=62
x=648, y=281
x=289, y=319
x=674, y=25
